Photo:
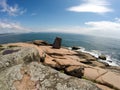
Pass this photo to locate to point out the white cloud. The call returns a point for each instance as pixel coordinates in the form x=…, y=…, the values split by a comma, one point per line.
x=93, y=6
x=96, y=28
x=33, y=14
x=11, y=10
x=104, y=25
x=12, y=27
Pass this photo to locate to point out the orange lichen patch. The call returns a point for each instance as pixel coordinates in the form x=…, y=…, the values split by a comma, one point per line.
x=25, y=83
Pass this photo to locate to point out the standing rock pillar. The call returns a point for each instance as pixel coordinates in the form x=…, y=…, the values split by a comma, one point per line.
x=57, y=43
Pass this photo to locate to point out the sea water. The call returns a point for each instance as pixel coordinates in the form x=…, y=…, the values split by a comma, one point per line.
x=89, y=44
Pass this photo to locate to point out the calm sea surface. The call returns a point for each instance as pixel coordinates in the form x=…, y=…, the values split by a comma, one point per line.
x=91, y=44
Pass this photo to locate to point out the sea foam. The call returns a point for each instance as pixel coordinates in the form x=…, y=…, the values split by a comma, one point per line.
x=96, y=53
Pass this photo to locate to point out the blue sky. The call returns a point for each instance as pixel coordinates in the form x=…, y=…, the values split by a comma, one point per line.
x=91, y=17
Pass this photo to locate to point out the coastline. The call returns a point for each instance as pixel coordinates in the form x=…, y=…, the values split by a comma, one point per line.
x=82, y=65
x=95, y=53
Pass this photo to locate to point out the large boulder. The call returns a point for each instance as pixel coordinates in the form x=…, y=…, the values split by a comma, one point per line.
x=17, y=55
x=35, y=76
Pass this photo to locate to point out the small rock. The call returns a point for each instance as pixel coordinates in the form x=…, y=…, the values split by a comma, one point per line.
x=77, y=71
x=7, y=64
x=42, y=57
x=103, y=57
x=106, y=64
x=110, y=61
x=75, y=48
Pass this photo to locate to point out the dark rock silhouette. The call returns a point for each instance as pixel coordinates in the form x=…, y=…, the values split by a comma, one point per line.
x=75, y=48
x=103, y=57
x=57, y=43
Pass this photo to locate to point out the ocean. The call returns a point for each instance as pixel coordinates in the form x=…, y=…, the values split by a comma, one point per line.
x=89, y=44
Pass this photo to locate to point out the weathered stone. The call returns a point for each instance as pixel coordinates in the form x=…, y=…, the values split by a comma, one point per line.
x=9, y=51
x=36, y=76
x=77, y=71
x=93, y=73
x=57, y=43
x=111, y=79
x=99, y=64
x=103, y=57
x=86, y=56
x=42, y=57
x=21, y=55
x=103, y=87
x=62, y=58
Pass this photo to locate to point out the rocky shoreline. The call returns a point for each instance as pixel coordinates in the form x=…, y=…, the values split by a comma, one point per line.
x=37, y=66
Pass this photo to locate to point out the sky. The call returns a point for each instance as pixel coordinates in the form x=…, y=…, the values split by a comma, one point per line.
x=89, y=17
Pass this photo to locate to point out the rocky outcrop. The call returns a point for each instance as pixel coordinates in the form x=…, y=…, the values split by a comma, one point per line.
x=36, y=76
x=76, y=64
x=17, y=55
x=25, y=72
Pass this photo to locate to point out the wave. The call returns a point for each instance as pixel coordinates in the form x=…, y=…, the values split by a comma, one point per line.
x=96, y=53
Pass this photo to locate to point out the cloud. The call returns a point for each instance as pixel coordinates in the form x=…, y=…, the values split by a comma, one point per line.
x=12, y=26
x=93, y=6
x=103, y=28
x=96, y=28
x=33, y=14
x=11, y=10
x=104, y=25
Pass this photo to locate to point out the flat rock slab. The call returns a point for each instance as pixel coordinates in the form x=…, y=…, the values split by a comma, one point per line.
x=104, y=87
x=110, y=78
x=93, y=73
x=105, y=77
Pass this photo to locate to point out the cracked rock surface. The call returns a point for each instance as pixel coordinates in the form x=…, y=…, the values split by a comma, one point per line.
x=35, y=76
x=26, y=73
